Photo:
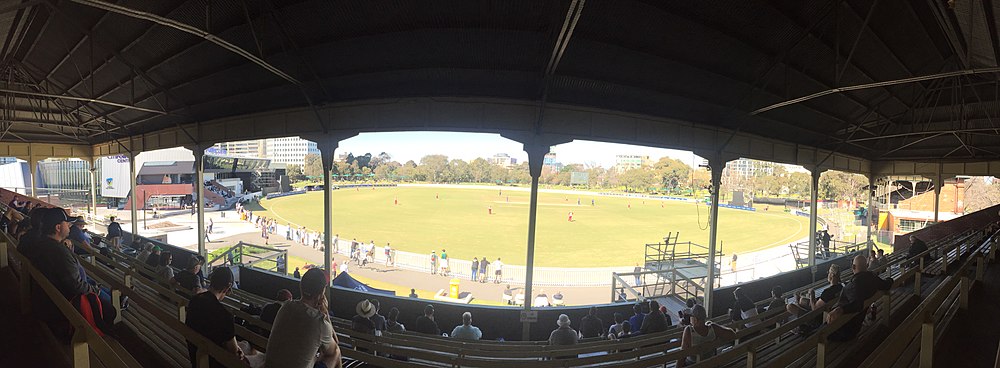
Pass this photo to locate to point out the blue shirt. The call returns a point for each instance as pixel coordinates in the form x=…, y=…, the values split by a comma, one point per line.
x=75, y=233
x=636, y=321
x=466, y=332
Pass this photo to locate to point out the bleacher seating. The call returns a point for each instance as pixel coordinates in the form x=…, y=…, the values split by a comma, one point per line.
x=923, y=298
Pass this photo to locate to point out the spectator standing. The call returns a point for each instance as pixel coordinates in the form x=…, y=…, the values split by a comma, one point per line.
x=483, y=264
x=475, y=268
x=425, y=324
x=388, y=254
x=434, y=263
x=208, y=317
x=466, y=331
x=413, y=293
x=564, y=335
x=638, y=277
x=444, y=263
x=498, y=267
x=702, y=331
x=115, y=234
x=296, y=274
x=302, y=328
x=864, y=285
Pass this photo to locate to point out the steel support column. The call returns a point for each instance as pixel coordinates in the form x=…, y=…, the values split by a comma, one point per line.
x=133, y=212
x=869, y=212
x=93, y=185
x=536, y=155
x=326, y=150
x=199, y=202
x=938, y=183
x=813, y=217
x=716, y=165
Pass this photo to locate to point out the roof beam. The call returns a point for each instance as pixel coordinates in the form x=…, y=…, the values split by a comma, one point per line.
x=82, y=99
x=190, y=30
x=876, y=85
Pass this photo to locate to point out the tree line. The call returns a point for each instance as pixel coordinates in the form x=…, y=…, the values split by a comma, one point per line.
x=665, y=176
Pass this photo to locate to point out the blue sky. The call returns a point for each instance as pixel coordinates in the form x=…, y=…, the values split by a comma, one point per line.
x=403, y=146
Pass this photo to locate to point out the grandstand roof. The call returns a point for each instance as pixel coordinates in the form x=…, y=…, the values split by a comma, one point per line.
x=92, y=72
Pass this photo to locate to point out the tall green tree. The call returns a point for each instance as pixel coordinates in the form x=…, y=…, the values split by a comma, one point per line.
x=432, y=167
x=313, y=165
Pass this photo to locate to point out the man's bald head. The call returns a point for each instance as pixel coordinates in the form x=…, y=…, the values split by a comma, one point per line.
x=860, y=264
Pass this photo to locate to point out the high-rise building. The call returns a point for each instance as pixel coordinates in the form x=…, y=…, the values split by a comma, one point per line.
x=549, y=159
x=254, y=148
x=288, y=150
x=628, y=162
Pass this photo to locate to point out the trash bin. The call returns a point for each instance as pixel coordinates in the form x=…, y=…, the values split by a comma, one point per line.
x=454, y=288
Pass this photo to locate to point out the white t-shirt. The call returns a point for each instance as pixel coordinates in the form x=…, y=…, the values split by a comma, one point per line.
x=299, y=331
x=498, y=265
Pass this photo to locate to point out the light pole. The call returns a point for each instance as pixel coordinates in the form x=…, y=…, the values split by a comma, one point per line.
x=144, y=210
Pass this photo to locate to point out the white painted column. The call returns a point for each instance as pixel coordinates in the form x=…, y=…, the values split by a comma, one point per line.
x=716, y=165
x=33, y=167
x=199, y=198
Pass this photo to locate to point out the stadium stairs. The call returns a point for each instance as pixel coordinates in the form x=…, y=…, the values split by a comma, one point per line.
x=156, y=319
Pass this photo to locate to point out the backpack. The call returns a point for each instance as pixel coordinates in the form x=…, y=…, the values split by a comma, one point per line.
x=90, y=307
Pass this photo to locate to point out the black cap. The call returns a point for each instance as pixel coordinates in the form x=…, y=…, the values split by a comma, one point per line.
x=53, y=216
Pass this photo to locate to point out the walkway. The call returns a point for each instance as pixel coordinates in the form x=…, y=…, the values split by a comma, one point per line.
x=972, y=338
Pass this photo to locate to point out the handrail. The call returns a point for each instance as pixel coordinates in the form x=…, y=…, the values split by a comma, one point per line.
x=84, y=340
x=920, y=323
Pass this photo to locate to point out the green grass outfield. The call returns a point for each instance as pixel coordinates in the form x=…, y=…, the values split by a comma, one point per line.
x=607, y=234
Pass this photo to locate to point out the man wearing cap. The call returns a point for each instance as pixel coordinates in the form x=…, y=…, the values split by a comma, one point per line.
x=79, y=237
x=115, y=234
x=55, y=260
x=302, y=328
x=208, y=317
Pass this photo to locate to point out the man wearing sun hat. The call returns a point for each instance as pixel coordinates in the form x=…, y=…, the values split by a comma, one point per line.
x=362, y=321
x=564, y=335
x=302, y=328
